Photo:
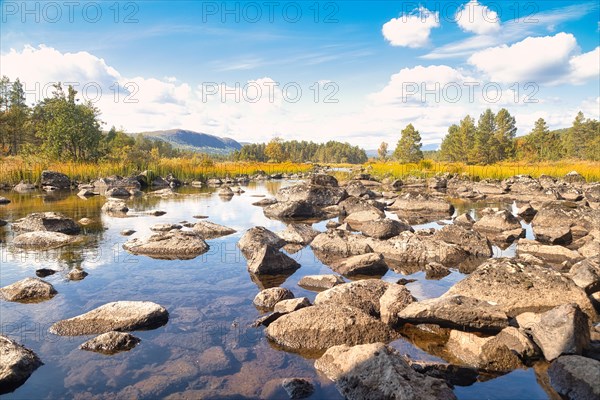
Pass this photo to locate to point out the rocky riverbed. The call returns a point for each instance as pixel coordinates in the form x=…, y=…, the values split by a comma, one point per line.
x=422, y=288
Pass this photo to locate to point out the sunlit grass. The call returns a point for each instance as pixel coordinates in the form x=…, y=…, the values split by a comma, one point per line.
x=16, y=169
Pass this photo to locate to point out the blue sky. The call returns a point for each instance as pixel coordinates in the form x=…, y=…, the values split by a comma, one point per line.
x=376, y=66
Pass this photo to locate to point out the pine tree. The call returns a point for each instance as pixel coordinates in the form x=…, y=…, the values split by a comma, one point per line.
x=408, y=149
x=382, y=151
x=484, y=138
x=506, y=130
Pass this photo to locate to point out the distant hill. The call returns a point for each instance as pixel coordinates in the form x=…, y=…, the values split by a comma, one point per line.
x=195, y=141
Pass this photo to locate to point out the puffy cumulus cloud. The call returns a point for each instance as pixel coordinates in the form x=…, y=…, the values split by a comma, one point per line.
x=539, y=59
x=585, y=66
x=411, y=29
x=477, y=18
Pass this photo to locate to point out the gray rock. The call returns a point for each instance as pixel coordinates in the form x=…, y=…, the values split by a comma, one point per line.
x=575, y=377
x=117, y=192
x=290, y=305
x=393, y=301
x=384, y=229
x=165, y=227
x=323, y=180
x=292, y=210
x=258, y=237
x=315, y=195
x=270, y=261
x=43, y=240
x=555, y=255
x=116, y=181
x=364, y=295
x=115, y=316
x=23, y=187
x=320, y=281
x=28, y=290
x=169, y=245
x=341, y=243
x=358, y=218
x=265, y=202
x=214, y=360
x=364, y=264
x=353, y=204
x=225, y=191
x=317, y=328
x=586, y=274
x=76, y=274
x=377, y=371
x=517, y=287
x=115, y=206
x=127, y=232
x=574, y=177
x=18, y=363
x=457, y=312
x=210, y=230
x=501, y=221
x=560, y=331
x=56, y=179
x=298, y=234
x=267, y=298
x=472, y=242
x=111, y=343
x=47, y=221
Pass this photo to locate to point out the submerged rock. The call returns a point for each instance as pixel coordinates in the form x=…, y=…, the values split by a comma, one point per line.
x=47, y=222
x=377, y=371
x=317, y=328
x=111, y=343
x=18, y=363
x=169, y=245
x=116, y=316
x=298, y=388
x=28, y=290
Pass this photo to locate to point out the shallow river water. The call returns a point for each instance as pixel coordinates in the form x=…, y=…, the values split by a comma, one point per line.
x=207, y=349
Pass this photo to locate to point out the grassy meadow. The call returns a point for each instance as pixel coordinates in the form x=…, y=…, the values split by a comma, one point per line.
x=16, y=169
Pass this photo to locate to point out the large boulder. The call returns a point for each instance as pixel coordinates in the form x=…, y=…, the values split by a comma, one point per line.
x=55, y=179
x=316, y=195
x=560, y=331
x=354, y=204
x=377, y=371
x=421, y=207
x=298, y=234
x=47, y=221
x=575, y=377
x=210, y=230
x=317, y=328
x=175, y=244
x=18, y=363
x=458, y=312
x=292, y=210
x=28, y=290
x=363, y=264
x=340, y=243
x=412, y=249
x=117, y=316
x=43, y=240
x=517, y=286
x=363, y=295
x=383, y=229
x=471, y=241
x=257, y=237
x=111, y=343
x=267, y=260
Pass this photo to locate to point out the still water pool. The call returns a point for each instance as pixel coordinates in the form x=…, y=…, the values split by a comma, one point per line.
x=207, y=349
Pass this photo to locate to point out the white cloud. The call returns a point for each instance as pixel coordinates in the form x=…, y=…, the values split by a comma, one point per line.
x=412, y=29
x=585, y=66
x=537, y=59
x=477, y=18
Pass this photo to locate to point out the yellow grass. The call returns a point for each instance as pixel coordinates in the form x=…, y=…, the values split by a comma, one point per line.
x=588, y=169
x=16, y=169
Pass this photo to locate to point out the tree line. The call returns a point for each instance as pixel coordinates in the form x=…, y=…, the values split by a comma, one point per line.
x=278, y=150
x=61, y=128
